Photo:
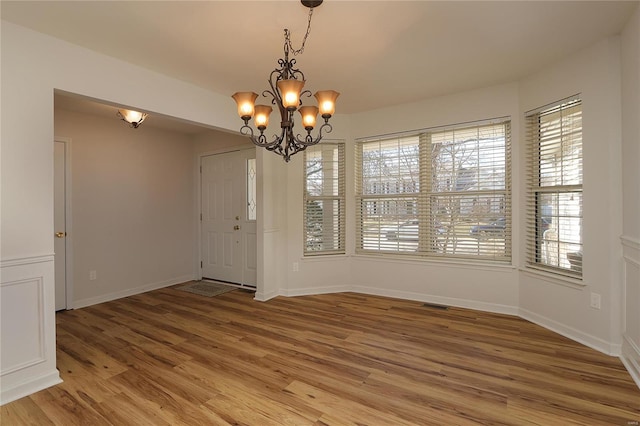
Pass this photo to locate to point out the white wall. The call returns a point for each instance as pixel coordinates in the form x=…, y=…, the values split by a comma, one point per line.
x=33, y=66
x=132, y=196
x=492, y=288
x=631, y=195
x=215, y=141
x=315, y=274
x=561, y=305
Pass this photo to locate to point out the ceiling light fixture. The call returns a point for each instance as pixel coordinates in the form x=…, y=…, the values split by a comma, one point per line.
x=286, y=85
x=134, y=118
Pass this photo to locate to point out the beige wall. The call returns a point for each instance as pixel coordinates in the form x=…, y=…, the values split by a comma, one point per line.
x=132, y=196
x=631, y=195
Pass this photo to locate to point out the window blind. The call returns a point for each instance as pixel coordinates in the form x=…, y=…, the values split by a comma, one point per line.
x=554, y=187
x=324, y=199
x=438, y=192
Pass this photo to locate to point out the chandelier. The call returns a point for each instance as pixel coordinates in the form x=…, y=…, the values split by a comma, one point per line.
x=286, y=84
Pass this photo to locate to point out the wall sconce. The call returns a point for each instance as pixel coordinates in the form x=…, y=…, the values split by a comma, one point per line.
x=134, y=118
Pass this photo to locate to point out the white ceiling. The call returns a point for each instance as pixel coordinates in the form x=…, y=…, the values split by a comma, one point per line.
x=376, y=53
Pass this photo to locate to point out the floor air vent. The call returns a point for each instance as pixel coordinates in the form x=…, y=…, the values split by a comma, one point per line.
x=434, y=306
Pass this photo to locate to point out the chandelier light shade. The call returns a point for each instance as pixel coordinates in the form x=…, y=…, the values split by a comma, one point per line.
x=262, y=116
x=290, y=93
x=309, y=114
x=245, y=101
x=286, y=93
x=327, y=102
x=134, y=118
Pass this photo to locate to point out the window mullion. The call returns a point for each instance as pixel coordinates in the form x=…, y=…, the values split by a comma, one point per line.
x=424, y=212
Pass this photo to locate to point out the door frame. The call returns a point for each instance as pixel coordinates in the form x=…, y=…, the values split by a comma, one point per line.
x=68, y=246
x=198, y=202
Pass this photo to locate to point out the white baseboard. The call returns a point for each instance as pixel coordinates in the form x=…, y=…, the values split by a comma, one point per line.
x=32, y=386
x=261, y=296
x=130, y=292
x=593, y=342
x=438, y=300
x=316, y=290
x=630, y=357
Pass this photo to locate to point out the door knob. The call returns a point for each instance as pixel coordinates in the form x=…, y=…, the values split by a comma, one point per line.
x=60, y=234
x=236, y=227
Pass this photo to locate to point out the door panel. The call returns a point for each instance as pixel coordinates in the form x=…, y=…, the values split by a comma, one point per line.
x=228, y=237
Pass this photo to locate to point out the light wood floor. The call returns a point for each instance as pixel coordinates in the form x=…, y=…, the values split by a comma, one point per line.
x=171, y=357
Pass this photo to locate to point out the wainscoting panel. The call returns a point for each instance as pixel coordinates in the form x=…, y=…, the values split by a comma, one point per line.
x=27, y=318
x=22, y=299
x=631, y=307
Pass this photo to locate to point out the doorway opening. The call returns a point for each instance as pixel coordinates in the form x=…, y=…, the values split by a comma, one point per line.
x=228, y=218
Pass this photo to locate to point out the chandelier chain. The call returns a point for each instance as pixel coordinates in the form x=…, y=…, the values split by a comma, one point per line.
x=287, y=37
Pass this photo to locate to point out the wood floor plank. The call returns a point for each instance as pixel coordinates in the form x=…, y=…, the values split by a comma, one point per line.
x=63, y=407
x=342, y=411
x=169, y=357
x=26, y=413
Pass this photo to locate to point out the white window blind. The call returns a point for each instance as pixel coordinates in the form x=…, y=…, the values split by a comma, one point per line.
x=554, y=182
x=324, y=199
x=439, y=192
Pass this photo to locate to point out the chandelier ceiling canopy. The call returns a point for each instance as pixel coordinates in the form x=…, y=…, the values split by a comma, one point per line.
x=286, y=91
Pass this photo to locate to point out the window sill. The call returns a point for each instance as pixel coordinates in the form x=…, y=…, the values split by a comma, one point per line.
x=557, y=279
x=323, y=256
x=443, y=263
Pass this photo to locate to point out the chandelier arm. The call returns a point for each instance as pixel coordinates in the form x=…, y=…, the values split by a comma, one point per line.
x=269, y=92
x=294, y=73
x=277, y=147
x=260, y=140
x=276, y=99
x=309, y=140
x=306, y=93
x=278, y=75
x=289, y=140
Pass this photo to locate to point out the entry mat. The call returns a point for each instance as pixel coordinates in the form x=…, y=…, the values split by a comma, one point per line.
x=207, y=288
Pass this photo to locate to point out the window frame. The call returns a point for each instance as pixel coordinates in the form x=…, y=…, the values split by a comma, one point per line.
x=545, y=252
x=424, y=236
x=338, y=218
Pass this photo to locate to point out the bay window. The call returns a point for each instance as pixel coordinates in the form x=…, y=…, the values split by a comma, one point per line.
x=441, y=192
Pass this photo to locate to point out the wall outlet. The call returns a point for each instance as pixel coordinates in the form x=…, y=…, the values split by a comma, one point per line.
x=296, y=267
x=595, y=301
x=93, y=275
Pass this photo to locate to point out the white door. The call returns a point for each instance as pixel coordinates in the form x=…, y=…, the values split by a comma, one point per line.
x=228, y=217
x=59, y=223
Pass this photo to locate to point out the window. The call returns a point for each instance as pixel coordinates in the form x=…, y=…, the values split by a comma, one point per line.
x=251, y=189
x=324, y=199
x=441, y=192
x=554, y=205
